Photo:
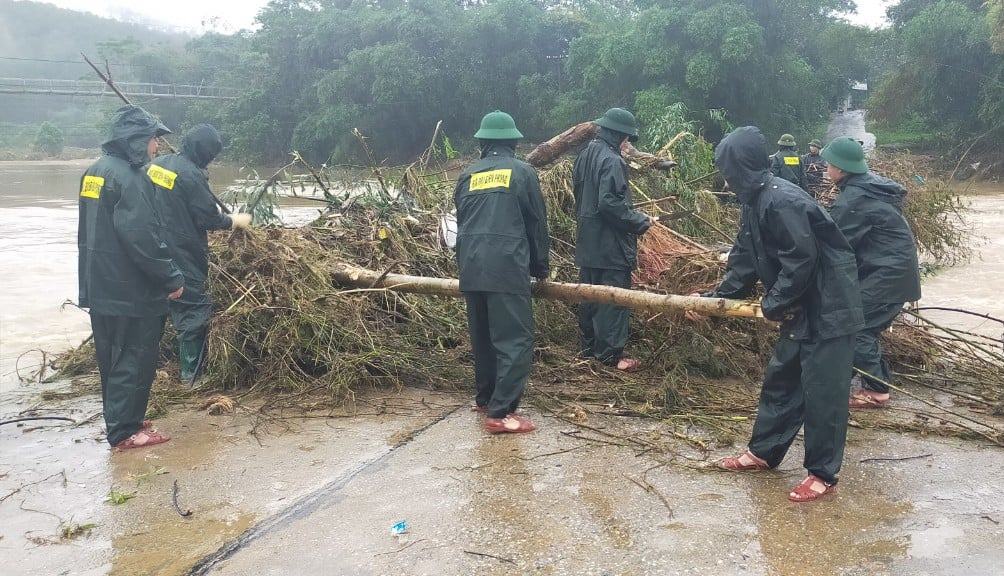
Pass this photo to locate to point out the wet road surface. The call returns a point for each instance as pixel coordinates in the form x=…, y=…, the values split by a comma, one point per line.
x=321, y=499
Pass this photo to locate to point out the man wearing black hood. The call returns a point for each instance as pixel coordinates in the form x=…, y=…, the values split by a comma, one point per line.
x=126, y=274
x=606, y=236
x=869, y=211
x=189, y=210
x=790, y=244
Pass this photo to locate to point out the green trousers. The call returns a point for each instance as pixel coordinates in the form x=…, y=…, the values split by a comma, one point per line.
x=603, y=329
x=127, y=350
x=806, y=382
x=868, y=345
x=501, y=328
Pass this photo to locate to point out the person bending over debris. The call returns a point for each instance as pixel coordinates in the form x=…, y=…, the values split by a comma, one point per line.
x=606, y=236
x=189, y=210
x=786, y=162
x=126, y=274
x=869, y=211
x=790, y=244
x=814, y=167
x=502, y=240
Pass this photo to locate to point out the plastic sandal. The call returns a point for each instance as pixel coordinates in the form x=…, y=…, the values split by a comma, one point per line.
x=734, y=464
x=804, y=492
x=867, y=399
x=142, y=439
x=511, y=424
x=628, y=365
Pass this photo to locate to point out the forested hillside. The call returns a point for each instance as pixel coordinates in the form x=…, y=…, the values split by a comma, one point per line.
x=311, y=71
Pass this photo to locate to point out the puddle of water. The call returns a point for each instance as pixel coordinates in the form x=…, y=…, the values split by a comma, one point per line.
x=845, y=533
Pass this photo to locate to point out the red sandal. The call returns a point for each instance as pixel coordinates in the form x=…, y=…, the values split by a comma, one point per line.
x=868, y=399
x=511, y=424
x=628, y=365
x=142, y=439
x=804, y=492
x=734, y=464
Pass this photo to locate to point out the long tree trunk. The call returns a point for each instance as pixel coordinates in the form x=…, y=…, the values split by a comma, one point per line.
x=577, y=135
x=565, y=292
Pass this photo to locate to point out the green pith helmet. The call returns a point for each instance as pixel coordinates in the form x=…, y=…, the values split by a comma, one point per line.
x=498, y=125
x=815, y=142
x=846, y=154
x=620, y=120
x=787, y=140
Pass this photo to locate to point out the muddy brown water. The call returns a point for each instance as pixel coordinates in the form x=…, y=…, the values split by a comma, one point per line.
x=38, y=257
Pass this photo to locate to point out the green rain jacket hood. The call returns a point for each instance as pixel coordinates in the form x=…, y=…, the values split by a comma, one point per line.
x=124, y=265
x=202, y=144
x=502, y=236
x=130, y=134
x=788, y=243
x=869, y=211
x=189, y=211
x=607, y=225
x=743, y=162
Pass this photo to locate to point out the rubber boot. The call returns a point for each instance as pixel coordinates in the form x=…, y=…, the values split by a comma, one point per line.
x=191, y=355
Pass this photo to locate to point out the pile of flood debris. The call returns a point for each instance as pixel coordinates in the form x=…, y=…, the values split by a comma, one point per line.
x=284, y=328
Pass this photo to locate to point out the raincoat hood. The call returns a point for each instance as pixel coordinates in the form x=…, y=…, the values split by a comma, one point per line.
x=742, y=159
x=131, y=130
x=201, y=145
x=498, y=147
x=612, y=137
x=877, y=187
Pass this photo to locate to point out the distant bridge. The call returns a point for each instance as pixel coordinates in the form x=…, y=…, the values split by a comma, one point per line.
x=48, y=87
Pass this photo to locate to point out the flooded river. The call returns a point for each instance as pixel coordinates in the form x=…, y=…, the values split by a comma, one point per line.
x=38, y=256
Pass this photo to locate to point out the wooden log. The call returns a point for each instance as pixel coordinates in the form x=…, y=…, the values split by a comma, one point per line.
x=578, y=135
x=564, y=292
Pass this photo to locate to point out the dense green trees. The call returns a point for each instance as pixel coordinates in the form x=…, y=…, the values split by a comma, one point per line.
x=49, y=139
x=393, y=68
x=313, y=70
x=944, y=77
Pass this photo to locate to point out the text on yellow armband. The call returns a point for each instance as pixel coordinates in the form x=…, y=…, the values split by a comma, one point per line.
x=791, y=161
x=491, y=179
x=162, y=176
x=91, y=187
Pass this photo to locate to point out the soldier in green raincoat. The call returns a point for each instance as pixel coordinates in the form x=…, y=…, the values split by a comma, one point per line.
x=788, y=243
x=189, y=211
x=786, y=163
x=502, y=240
x=606, y=236
x=869, y=211
x=814, y=167
x=126, y=274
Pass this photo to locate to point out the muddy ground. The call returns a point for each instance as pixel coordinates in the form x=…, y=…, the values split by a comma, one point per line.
x=321, y=497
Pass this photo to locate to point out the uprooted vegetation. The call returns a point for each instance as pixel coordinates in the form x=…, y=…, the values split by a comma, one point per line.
x=286, y=331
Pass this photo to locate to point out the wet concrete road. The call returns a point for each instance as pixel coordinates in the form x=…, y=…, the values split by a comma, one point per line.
x=563, y=500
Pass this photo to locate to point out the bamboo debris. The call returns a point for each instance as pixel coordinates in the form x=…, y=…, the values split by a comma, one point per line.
x=561, y=291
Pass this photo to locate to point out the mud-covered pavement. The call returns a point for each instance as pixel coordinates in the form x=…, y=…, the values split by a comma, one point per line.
x=321, y=497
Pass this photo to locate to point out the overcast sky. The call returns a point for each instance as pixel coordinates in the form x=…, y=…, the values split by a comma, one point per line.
x=232, y=15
